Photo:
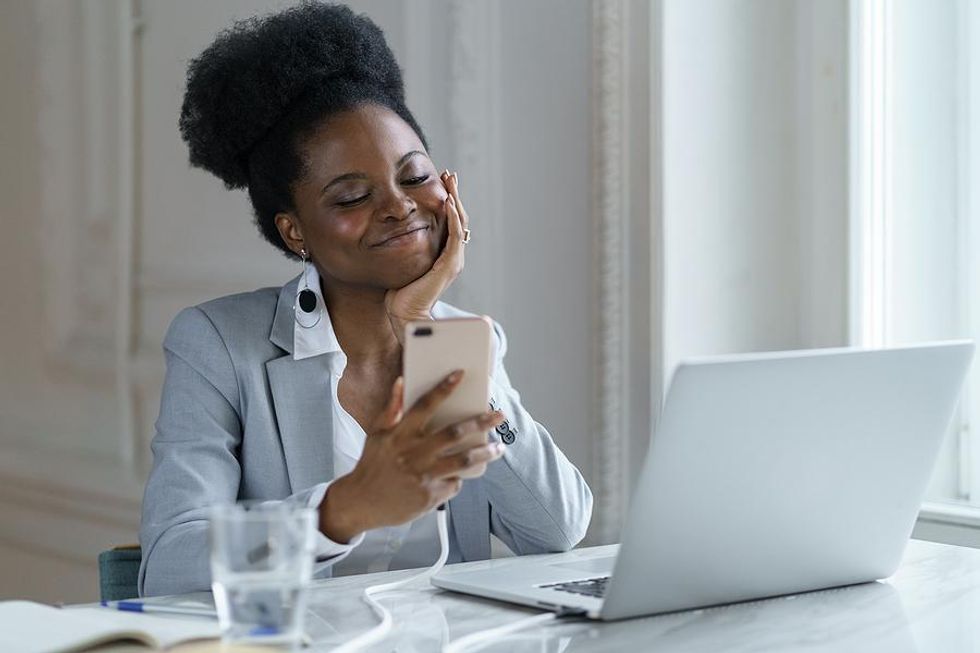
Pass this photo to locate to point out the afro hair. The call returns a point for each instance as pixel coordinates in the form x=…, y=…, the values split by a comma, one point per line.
x=267, y=82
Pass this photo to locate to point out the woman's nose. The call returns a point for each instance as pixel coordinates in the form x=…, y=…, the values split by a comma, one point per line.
x=396, y=205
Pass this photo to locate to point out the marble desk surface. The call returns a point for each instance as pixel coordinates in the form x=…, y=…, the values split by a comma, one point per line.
x=931, y=604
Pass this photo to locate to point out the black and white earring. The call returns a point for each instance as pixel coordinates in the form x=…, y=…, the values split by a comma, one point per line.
x=307, y=307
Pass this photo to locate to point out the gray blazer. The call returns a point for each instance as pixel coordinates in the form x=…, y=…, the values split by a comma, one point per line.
x=241, y=419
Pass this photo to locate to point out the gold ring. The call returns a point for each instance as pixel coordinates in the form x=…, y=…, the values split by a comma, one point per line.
x=466, y=236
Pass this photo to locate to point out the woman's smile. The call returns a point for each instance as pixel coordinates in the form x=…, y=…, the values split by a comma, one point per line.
x=415, y=234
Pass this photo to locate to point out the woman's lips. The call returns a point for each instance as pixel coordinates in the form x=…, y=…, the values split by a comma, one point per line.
x=415, y=235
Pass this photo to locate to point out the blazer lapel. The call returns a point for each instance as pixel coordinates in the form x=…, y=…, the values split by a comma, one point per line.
x=301, y=396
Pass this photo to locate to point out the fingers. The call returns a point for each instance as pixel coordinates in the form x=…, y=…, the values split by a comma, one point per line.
x=455, y=215
x=452, y=185
x=418, y=415
x=447, y=489
x=451, y=257
x=463, y=435
x=451, y=261
x=392, y=414
x=467, y=464
x=453, y=220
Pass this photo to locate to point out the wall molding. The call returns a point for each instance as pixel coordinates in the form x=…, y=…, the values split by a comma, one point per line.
x=42, y=511
x=628, y=257
x=948, y=523
x=609, y=213
x=78, y=135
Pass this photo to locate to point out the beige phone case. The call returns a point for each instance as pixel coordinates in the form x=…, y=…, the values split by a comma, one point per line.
x=433, y=350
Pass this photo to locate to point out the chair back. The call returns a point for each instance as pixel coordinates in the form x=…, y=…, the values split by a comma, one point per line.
x=119, y=569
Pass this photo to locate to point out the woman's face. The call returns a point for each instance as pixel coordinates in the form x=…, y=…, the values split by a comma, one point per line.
x=370, y=209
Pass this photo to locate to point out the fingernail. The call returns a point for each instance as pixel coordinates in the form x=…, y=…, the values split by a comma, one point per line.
x=455, y=376
x=455, y=179
x=499, y=448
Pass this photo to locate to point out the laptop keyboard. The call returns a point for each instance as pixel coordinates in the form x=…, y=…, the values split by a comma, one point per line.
x=595, y=587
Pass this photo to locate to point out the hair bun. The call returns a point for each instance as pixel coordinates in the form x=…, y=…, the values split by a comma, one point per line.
x=249, y=78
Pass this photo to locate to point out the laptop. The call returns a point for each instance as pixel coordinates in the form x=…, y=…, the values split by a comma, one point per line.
x=769, y=474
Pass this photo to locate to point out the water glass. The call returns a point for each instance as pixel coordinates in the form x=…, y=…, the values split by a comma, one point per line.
x=261, y=567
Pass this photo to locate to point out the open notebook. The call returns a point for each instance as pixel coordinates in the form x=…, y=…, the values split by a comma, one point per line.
x=34, y=628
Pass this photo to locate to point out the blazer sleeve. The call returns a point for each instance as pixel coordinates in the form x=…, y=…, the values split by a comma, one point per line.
x=539, y=501
x=195, y=461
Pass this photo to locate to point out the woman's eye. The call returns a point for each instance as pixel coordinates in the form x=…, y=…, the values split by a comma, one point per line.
x=352, y=202
x=415, y=181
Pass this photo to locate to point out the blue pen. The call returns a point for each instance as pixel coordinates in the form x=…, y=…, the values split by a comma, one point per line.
x=140, y=606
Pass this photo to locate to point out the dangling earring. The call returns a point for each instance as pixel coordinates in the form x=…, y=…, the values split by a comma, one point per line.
x=307, y=307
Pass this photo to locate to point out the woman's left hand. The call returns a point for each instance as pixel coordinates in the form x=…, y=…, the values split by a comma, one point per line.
x=415, y=301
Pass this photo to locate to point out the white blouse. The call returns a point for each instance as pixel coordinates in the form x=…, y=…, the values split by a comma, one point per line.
x=415, y=544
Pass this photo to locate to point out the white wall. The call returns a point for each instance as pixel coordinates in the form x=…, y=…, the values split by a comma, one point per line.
x=928, y=234
x=755, y=176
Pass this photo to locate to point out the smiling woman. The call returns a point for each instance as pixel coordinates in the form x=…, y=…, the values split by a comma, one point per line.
x=305, y=109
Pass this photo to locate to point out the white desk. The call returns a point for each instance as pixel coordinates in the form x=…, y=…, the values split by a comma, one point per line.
x=931, y=604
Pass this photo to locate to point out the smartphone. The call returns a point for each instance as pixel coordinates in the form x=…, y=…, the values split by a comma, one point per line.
x=433, y=349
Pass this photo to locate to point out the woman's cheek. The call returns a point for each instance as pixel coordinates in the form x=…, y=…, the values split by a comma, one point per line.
x=348, y=226
x=433, y=196
x=432, y=199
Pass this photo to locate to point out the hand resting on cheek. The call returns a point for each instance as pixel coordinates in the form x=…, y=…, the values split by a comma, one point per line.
x=415, y=301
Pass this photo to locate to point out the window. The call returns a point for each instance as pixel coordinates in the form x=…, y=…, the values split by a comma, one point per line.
x=915, y=245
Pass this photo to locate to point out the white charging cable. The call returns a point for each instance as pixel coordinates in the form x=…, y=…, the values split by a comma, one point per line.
x=476, y=639
x=483, y=637
x=381, y=631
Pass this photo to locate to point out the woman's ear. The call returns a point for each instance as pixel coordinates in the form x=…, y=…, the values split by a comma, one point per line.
x=290, y=231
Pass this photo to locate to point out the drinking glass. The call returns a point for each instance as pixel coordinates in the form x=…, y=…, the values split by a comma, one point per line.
x=261, y=567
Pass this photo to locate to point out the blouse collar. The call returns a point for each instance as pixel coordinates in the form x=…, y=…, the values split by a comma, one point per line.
x=321, y=338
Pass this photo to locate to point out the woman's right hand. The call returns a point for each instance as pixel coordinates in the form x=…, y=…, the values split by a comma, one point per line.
x=415, y=301
x=406, y=469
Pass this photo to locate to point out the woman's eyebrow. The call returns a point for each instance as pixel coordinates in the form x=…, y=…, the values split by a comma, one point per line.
x=408, y=156
x=345, y=177
x=360, y=175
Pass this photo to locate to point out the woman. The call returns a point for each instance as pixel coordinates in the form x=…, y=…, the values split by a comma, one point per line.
x=294, y=394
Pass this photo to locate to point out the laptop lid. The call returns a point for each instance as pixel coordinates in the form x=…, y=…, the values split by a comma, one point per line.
x=783, y=472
